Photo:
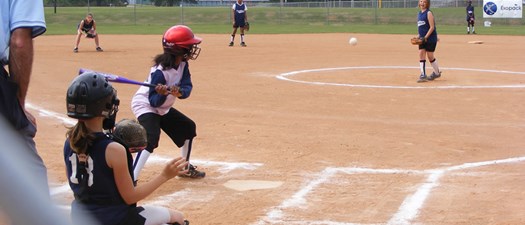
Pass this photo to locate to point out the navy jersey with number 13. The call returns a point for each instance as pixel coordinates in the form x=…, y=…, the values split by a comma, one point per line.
x=95, y=192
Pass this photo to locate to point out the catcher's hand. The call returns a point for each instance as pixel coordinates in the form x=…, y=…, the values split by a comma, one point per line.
x=417, y=40
x=247, y=26
x=131, y=134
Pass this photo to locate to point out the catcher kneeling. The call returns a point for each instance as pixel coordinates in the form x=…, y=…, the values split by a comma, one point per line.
x=100, y=170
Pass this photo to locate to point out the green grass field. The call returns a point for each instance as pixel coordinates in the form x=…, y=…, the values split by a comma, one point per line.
x=270, y=20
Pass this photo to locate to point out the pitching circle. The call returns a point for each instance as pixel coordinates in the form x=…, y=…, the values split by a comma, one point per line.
x=287, y=77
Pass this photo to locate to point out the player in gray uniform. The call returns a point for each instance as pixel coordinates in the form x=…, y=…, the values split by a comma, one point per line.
x=153, y=106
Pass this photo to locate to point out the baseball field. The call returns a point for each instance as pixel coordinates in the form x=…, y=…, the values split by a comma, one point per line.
x=307, y=129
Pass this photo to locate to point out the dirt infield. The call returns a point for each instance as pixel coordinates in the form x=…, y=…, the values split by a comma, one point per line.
x=343, y=133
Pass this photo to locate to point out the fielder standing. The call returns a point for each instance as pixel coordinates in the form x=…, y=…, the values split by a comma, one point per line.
x=470, y=17
x=240, y=18
x=427, y=32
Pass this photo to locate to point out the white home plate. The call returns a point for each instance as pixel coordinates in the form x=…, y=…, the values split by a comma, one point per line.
x=246, y=185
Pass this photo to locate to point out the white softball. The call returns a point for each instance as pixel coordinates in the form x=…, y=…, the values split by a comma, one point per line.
x=353, y=41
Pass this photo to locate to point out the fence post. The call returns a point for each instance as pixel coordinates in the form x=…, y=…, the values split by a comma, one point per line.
x=327, y=12
x=182, y=12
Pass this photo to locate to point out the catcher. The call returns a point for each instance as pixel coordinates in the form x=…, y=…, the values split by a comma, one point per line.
x=470, y=18
x=88, y=28
x=99, y=169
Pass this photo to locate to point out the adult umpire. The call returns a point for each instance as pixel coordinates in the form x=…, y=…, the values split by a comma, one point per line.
x=21, y=21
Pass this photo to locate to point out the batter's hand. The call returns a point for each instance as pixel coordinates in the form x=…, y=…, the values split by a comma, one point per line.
x=175, y=91
x=162, y=89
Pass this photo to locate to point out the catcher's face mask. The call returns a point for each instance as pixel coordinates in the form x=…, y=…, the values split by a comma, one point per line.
x=109, y=122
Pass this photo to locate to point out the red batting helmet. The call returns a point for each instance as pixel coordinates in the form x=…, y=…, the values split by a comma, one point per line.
x=180, y=40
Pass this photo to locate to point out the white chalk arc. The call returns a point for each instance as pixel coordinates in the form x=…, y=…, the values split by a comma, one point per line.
x=287, y=77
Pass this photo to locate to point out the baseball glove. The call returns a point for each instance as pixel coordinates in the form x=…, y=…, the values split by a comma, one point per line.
x=417, y=41
x=131, y=134
x=247, y=26
x=90, y=34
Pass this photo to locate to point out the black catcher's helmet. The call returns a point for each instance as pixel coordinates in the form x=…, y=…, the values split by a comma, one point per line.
x=91, y=95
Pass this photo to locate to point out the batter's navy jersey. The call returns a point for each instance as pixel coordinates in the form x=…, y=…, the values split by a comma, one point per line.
x=240, y=12
x=95, y=193
x=423, y=26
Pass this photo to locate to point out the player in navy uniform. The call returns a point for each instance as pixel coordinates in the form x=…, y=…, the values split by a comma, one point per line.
x=240, y=18
x=88, y=28
x=427, y=32
x=99, y=169
x=153, y=106
x=470, y=18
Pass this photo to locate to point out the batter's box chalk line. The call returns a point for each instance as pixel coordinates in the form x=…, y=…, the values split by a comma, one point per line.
x=224, y=167
x=407, y=211
x=182, y=196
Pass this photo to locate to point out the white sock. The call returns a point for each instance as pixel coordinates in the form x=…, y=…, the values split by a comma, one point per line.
x=472, y=28
x=435, y=66
x=422, y=67
x=468, y=29
x=232, y=38
x=139, y=163
x=242, y=37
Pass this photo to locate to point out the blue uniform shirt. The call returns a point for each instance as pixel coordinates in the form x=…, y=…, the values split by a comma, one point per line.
x=423, y=26
x=87, y=26
x=240, y=12
x=470, y=12
x=99, y=196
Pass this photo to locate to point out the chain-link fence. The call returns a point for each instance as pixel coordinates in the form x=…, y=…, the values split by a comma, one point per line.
x=217, y=12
